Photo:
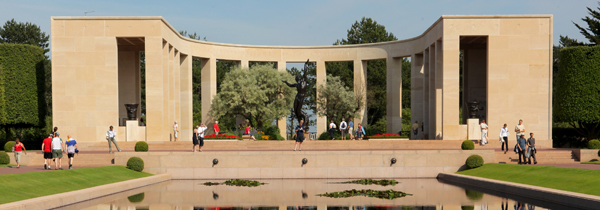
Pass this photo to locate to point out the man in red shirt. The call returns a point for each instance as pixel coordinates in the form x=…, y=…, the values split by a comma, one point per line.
x=47, y=147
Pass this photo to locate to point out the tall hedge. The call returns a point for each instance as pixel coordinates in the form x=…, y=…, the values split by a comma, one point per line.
x=22, y=80
x=577, y=99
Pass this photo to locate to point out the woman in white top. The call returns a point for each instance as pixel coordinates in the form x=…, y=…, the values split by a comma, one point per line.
x=484, y=129
x=504, y=135
x=175, y=130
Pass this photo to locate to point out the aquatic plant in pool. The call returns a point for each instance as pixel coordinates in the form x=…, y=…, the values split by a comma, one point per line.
x=383, y=194
x=382, y=182
x=236, y=182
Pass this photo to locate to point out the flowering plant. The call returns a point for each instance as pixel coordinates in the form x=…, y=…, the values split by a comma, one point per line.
x=222, y=136
x=386, y=136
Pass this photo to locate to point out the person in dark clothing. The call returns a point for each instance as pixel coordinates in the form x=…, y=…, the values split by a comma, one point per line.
x=531, y=148
x=521, y=142
x=299, y=135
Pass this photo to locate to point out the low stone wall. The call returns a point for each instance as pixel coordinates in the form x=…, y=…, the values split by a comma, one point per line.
x=321, y=164
x=586, y=155
x=570, y=199
x=68, y=198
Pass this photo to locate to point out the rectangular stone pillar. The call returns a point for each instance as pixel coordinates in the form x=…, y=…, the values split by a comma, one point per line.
x=186, y=124
x=432, y=97
x=360, y=88
x=451, y=87
x=166, y=123
x=439, y=91
x=282, y=122
x=177, y=91
x=425, y=124
x=394, y=95
x=209, y=86
x=416, y=92
x=321, y=80
x=155, y=90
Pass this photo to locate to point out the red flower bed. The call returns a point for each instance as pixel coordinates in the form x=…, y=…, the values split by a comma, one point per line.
x=386, y=136
x=222, y=136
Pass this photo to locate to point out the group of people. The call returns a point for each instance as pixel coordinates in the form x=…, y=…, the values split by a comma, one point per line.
x=54, y=147
x=198, y=137
x=345, y=129
x=524, y=147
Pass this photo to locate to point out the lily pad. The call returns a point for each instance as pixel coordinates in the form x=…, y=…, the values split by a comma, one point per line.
x=382, y=194
x=236, y=182
x=382, y=182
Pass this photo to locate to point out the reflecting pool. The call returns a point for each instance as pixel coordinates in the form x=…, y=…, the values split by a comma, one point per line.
x=303, y=194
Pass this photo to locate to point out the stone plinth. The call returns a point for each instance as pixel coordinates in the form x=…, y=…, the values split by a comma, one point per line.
x=474, y=130
x=134, y=131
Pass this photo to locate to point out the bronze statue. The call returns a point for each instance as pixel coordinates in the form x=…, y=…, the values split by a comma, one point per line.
x=301, y=86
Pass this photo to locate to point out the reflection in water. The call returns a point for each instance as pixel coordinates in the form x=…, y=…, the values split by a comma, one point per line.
x=298, y=194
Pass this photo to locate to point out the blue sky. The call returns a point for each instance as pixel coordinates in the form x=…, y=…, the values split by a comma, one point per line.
x=302, y=23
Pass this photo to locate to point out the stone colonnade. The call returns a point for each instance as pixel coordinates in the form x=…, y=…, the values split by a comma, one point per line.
x=86, y=52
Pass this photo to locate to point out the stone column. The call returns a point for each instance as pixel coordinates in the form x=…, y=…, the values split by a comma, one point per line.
x=425, y=124
x=360, y=88
x=416, y=92
x=394, y=95
x=209, y=86
x=186, y=124
x=177, y=91
x=282, y=122
x=166, y=123
x=154, y=89
x=321, y=80
x=432, y=97
x=439, y=91
x=450, y=99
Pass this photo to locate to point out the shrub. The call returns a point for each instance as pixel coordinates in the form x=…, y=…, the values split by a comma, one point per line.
x=594, y=144
x=222, y=136
x=135, y=163
x=467, y=207
x=137, y=198
x=467, y=145
x=474, y=161
x=141, y=146
x=325, y=136
x=598, y=153
x=273, y=132
x=4, y=158
x=8, y=146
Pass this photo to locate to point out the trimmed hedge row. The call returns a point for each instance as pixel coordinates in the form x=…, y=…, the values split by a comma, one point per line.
x=22, y=78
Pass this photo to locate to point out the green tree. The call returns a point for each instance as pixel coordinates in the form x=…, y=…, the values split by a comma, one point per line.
x=592, y=32
x=256, y=94
x=578, y=91
x=366, y=31
x=336, y=101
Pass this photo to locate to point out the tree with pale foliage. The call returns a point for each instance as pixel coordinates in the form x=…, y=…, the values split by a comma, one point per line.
x=256, y=94
x=336, y=101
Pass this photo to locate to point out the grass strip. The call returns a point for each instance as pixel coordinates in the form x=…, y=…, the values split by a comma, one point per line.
x=592, y=162
x=16, y=187
x=7, y=165
x=578, y=180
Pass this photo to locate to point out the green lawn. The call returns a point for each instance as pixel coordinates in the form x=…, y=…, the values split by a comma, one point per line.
x=569, y=179
x=16, y=187
x=7, y=165
x=592, y=162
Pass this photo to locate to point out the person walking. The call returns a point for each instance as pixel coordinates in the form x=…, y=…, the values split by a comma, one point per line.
x=531, y=148
x=216, y=127
x=351, y=128
x=19, y=148
x=484, y=129
x=360, y=131
x=201, y=131
x=344, y=129
x=110, y=137
x=415, y=128
x=175, y=130
x=71, y=145
x=299, y=135
x=57, y=151
x=47, y=149
x=332, y=128
x=195, y=139
x=521, y=143
x=504, y=136
x=520, y=129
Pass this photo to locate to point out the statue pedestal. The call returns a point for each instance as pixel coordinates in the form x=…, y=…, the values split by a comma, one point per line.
x=134, y=131
x=474, y=130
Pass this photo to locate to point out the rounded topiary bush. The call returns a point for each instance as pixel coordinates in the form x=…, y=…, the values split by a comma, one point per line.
x=8, y=146
x=467, y=207
x=135, y=163
x=474, y=161
x=141, y=146
x=474, y=195
x=4, y=158
x=137, y=198
x=467, y=145
x=594, y=144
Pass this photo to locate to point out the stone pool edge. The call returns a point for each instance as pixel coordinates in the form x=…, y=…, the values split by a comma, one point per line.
x=579, y=200
x=73, y=197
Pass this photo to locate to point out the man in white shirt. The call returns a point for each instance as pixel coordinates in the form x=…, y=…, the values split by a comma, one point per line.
x=201, y=131
x=520, y=129
x=344, y=129
x=110, y=137
x=484, y=129
x=57, y=150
